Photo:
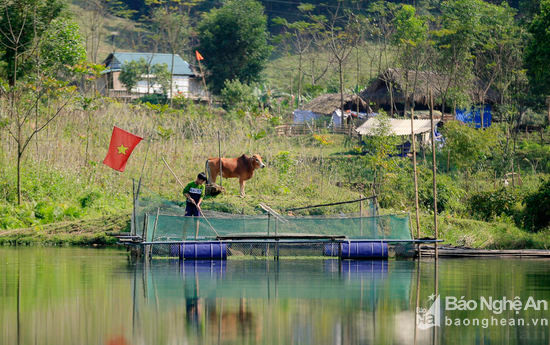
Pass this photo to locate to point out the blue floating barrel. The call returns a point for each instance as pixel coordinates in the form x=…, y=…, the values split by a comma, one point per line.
x=202, y=251
x=364, y=250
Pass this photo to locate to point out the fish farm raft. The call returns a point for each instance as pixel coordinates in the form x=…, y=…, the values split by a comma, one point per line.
x=160, y=230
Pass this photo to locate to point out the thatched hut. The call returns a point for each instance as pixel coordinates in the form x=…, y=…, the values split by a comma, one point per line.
x=328, y=105
x=389, y=89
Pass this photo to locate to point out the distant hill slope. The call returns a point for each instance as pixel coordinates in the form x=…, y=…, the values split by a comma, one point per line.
x=104, y=32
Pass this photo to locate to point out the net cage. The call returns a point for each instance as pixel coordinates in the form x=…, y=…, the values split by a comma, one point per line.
x=163, y=227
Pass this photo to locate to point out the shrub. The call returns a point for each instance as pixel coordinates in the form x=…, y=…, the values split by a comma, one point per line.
x=237, y=96
x=153, y=98
x=537, y=208
x=449, y=194
x=88, y=199
x=489, y=205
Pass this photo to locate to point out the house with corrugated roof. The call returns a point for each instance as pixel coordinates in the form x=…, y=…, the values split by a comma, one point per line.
x=185, y=81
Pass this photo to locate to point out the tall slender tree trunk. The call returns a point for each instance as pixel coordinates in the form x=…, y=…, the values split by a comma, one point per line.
x=413, y=146
x=172, y=80
x=434, y=171
x=340, y=72
x=300, y=79
x=19, y=155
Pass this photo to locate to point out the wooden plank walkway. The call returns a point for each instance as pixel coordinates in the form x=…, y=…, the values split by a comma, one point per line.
x=471, y=252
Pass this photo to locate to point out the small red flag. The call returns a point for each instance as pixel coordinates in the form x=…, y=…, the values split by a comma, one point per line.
x=121, y=147
x=198, y=55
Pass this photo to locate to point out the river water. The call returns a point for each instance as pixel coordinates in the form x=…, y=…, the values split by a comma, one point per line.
x=99, y=296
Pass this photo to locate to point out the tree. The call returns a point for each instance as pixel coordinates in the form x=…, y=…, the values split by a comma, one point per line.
x=498, y=38
x=162, y=77
x=233, y=41
x=411, y=38
x=383, y=28
x=538, y=51
x=341, y=34
x=236, y=95
x=175, y=30
x=62, y=47
x=21, y=22
x=28, y=30
x=300, y=36
x=132, y=73
x=455, y=41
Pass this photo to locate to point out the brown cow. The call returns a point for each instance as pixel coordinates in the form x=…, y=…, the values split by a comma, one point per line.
x=242, y=167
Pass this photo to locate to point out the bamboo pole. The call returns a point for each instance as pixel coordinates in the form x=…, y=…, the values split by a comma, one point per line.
x=415, y=177
x=204, y=83
x=361, y=215
x=183, y=186
x=332, y=204
x=220, y=158
x=434, y=171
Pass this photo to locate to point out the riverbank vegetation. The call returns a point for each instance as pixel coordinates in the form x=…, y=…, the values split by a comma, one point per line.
x=493, y=189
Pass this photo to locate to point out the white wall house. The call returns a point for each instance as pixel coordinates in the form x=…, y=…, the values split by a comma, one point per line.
x=185, y=81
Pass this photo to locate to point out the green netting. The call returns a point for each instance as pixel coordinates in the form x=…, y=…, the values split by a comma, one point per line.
x=160, y=220
x=162, y=227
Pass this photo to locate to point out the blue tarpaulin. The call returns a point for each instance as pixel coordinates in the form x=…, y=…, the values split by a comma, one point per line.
x=473, y=115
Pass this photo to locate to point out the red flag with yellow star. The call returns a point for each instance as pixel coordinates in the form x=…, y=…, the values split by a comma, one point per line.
x=121, y=147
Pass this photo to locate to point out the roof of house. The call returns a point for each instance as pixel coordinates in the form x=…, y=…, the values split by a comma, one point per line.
x=396, y=126
x=421, y=81
x=328, y=103
x=115, y=61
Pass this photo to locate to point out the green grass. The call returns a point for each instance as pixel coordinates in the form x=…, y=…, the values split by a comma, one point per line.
x=83, y=232
x=61, y=188
x=484, y=235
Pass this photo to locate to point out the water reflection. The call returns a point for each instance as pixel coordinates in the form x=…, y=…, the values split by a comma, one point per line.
x=280, y=301
x=79, y=296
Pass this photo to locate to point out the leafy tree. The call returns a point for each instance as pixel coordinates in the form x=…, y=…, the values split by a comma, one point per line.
x=497, y=50
x=233, y=41
x=411, y=39
x=538, y=51
x=455, y=40
x=132, y=72
x=236, y=95
x=162, y=77
x=468, y=147
x=61, y=48
x=380, y=145
x=22, y=23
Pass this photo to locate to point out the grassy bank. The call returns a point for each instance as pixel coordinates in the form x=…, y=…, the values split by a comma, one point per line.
x=83, y=232
x=70, y=197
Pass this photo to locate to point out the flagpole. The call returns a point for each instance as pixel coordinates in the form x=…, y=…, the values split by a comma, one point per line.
x=197, y=54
